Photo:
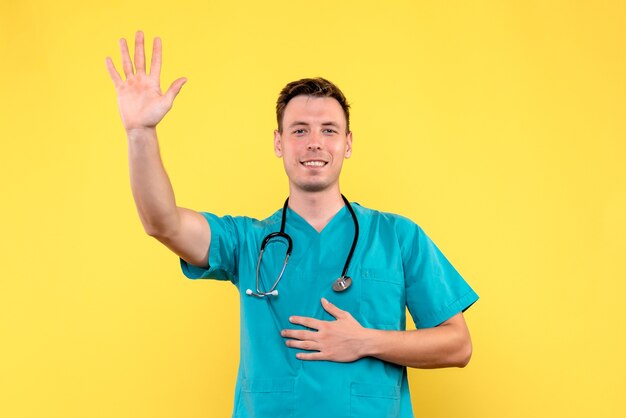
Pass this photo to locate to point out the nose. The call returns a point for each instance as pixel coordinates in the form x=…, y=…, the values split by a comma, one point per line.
x=315, y=142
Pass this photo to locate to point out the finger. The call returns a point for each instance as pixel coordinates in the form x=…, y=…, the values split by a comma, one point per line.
x=174, y=89
x=303, y=345
x=306, y=321
x=155, y=64
x=298, y=334
x=127, y=65
x=117, y=80
x=140, y=56
x=332, y=309
x=311, y=356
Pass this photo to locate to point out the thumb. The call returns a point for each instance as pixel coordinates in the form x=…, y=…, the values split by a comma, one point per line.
x=174, y=89
x=332, y=309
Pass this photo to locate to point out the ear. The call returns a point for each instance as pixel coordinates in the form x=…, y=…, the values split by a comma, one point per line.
x=349, y=144
x=277, y=144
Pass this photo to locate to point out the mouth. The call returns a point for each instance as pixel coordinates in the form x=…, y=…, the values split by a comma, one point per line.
x=314, y=163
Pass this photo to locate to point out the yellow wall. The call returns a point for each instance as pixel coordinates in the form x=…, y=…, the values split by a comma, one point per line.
x=498, y=126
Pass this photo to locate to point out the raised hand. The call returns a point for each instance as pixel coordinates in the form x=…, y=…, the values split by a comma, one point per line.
x=141, y=103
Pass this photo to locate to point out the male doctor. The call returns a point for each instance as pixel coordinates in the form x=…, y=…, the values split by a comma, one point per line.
x=324, y=333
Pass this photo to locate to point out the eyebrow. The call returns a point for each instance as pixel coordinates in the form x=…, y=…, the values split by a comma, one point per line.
x=298, y=122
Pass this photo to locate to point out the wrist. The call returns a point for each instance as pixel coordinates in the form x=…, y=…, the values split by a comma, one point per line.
x=369, y=343
x=134, y=134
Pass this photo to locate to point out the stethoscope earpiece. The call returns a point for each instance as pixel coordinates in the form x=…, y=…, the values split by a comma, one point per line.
x=249, y=292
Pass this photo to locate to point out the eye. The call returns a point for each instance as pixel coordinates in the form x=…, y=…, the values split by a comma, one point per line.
x=298, y=131
x=328, y=130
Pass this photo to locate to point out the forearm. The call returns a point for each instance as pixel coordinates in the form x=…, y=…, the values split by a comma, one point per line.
x=442, y=346
x=151, y=187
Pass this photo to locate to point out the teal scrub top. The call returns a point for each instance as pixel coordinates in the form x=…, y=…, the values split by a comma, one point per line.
x=395, y=266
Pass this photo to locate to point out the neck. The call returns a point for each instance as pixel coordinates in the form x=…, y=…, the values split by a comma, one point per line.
x=317, y=208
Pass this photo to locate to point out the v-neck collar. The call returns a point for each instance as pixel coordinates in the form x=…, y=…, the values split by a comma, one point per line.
x=293, y=216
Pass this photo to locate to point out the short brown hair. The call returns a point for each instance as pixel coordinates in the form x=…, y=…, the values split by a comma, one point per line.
x=315, y=87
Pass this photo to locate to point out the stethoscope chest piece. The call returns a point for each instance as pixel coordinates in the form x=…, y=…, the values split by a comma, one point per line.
x=342, y=284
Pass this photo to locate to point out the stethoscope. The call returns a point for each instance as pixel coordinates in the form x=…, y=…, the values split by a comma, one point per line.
x=339, y=285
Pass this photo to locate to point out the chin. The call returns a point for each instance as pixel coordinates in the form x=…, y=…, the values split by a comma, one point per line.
x=313, y=187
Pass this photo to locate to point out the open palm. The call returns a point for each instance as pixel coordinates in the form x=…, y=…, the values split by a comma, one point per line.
x=140, y=100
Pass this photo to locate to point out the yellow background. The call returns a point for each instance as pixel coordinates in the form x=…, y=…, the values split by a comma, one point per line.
x=498, y=126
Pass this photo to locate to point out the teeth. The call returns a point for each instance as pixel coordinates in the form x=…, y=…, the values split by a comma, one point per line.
x=314, y=163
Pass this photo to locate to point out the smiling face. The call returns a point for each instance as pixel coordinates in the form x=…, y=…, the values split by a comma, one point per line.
x=313, y=143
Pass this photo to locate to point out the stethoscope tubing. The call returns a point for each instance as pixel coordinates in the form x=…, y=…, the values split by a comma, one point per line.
x=341, y=284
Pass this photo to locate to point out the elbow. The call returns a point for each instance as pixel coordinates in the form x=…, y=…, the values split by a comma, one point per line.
x=160, y=227
x=464, y=354
x=150, y=230
x=153, y=232
x=158, y=231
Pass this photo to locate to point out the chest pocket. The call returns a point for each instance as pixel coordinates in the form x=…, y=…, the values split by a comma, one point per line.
x=382, y=298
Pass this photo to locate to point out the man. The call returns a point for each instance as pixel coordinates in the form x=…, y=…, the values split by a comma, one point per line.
x=322, y=329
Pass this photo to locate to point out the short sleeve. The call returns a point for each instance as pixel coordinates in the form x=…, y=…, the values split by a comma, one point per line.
x=223, y=251
x=435, y=291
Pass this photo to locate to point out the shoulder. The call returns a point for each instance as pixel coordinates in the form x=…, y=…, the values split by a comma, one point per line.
x=238, y=222
x=379, y=219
